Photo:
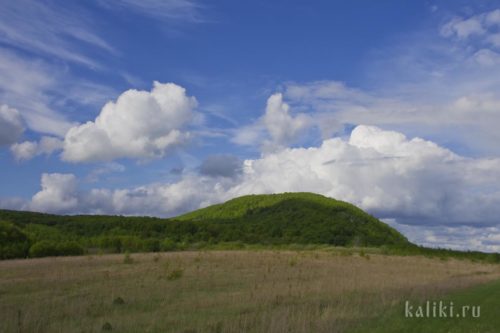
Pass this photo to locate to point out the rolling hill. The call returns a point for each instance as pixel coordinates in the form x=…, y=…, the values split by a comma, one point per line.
x=300, y=218
x=264, y=220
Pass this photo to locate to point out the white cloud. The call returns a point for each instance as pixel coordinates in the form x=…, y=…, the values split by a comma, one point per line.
x=457, y=237
x=49, y=28
x=139, y=124
x=463, y=28
x=494, y=39
x=486, y=57
x=481, y=26
x=108, y=168
x=58, y=194
x=40, y=39
x=493, y=17
x=11, y=125
x=38, y=90
x=281, y=126
x=461, y=106
x=413, y=181
x=249, y=135
x=276, y=129
x=29, y=149
x=164, y=10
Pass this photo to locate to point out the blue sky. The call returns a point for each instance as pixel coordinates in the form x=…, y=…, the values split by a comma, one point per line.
x=158, y=107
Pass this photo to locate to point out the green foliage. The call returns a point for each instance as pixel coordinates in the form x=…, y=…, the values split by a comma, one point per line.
x=288, y=219
x=168, y=245
x=14, y=243
x=302, y=218
x=47, y=248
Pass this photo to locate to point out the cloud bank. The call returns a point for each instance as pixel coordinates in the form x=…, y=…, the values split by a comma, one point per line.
x=412, y=182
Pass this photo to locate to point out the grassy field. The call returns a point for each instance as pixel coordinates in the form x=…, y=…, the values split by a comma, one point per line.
x=235, y=291
x=486, y=296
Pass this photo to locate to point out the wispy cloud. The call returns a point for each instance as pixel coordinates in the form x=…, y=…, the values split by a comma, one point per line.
x=40, y=90
x=438, y=85
x=25, y=84
x=165, y=10
x=50, y=29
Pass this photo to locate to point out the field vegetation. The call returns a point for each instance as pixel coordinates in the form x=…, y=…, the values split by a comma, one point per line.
x=322, y=290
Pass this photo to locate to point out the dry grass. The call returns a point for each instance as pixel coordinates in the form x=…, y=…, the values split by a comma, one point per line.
x=220, y=291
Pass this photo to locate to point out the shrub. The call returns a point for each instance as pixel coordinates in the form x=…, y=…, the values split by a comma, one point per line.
x=49, y=249
x=14, y=243
x=70, y=248
x=44, y=249
x=168, y=245
x=151, y=245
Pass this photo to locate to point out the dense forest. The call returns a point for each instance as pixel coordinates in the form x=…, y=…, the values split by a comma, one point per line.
x=268, y=220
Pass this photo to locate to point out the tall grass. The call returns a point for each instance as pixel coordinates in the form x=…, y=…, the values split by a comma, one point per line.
x=221, y=291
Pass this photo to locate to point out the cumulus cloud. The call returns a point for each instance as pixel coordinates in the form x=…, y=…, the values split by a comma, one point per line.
x=276, y=129
x=470, y=104
x=28, y=149
x=458, y=237
x=283, y=127
x=58, y=194
x=416, y=183
x=11, y=125
x=139, y=124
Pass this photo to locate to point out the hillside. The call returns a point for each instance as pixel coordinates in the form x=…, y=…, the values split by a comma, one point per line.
x=286, y=219
x=277, y=219
x=301, y=218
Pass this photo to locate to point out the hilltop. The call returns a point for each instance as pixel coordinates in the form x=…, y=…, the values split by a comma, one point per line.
x=300, y=218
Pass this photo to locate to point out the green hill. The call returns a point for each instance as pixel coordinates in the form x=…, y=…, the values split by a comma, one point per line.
x=263, y=220
x=300, y=218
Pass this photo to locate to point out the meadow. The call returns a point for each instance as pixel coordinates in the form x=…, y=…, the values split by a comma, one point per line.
x=323, y=290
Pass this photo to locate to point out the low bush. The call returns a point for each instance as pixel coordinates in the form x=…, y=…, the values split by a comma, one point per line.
x=14, y=243
x=50, y=249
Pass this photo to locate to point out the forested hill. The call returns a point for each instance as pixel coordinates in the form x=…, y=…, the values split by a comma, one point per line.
x=299, y=218
x=269, y=220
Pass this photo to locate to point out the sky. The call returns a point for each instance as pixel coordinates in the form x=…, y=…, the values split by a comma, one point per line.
x=151, y=107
